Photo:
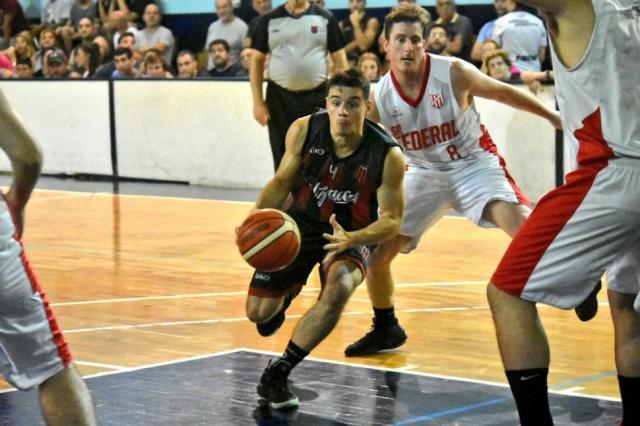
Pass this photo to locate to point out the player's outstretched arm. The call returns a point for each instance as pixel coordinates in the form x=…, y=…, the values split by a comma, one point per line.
x=469, y=79
x=25, y=156
x=276, y=190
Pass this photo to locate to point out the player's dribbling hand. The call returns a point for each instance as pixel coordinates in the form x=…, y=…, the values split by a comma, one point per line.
x=338, y=241
x=261, y=113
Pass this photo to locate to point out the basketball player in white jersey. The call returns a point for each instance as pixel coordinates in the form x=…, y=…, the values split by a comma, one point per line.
x=426, y=102
x=579, y=229
x=33, y=352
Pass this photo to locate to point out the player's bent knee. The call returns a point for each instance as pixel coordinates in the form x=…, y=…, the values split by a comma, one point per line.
x=260, y=309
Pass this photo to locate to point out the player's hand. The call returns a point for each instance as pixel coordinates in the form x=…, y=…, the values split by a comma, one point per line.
x=261, y=113
x=338, y=241
x=555, y=120
x=17, y=212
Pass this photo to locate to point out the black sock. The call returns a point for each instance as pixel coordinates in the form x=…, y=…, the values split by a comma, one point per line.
x=384, y=318
x=290, y=358
x=630, y=394
x=529, y=388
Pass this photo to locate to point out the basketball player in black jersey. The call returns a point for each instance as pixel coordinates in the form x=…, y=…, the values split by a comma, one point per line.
x=337, y=171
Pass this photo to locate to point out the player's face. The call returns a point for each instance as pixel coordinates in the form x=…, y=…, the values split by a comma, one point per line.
x=405, y=47
x=347, y=108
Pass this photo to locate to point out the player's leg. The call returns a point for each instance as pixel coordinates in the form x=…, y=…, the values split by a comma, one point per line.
x=551, y=261
x=386, y=333
x=623, y=281
x=424, y=206
x=65, y=399
x=506, y=215
x=342, y=278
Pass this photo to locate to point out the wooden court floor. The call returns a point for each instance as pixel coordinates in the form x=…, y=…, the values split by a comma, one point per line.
x=139, y=280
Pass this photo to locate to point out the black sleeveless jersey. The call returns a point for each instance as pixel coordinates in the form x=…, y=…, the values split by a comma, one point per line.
x=344, y=186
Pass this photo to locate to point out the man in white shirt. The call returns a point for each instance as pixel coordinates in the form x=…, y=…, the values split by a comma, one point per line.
x=524, y=36
x=228, y=27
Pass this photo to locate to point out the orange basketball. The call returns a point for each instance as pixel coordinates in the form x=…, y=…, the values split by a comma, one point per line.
x=268, y=240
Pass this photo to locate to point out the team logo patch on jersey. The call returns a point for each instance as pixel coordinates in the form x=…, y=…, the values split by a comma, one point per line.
x=314, y=29
x=437, y=100
x=361, y=174
x=395, y=112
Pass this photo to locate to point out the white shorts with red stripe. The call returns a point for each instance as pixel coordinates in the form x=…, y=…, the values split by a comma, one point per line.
x=429, y=194
x=575, y=232
x=32, y=348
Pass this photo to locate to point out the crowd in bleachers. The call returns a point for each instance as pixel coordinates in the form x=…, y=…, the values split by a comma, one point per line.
x=126, y=39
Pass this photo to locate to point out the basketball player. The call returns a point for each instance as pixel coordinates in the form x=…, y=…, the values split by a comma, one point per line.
x=577, y=230
x=337, y=171
x=32, y=349
x=426, y=102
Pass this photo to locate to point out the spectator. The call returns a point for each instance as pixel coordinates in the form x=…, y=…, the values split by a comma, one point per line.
x=79, y=10
x=187, y=63
x=297, y=66
x=126, y=41
x=124, y=63
x=24, y=68
x=535, y=79
x=245, y=61
x=438, y=40
x=154, y=35
x=458, y=27
x=83, y=9
x=56, y=64
x=6, y=67
x=13, y=21
x=86, y=61
x=48, y=41
x=369, y=65
x=228, y=27
x=55, y=12
x=136, y=10
x=153, y=66
x=502, y=7
x=360, y=30
x=524, y=36
x=262, y=7
x=498, y=65
x=221, y=58
x=132, y=9
x=22, y=47
x=119, y=24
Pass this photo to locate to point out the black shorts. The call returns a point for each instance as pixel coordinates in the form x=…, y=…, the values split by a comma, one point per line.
x=293, y=277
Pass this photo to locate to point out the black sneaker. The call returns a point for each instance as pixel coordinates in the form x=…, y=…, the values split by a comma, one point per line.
x=270, y=326
x=589, y=307
x=377, y=340
x=274, y=389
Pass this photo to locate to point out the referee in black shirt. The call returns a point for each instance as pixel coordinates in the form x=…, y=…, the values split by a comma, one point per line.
x=298, y=35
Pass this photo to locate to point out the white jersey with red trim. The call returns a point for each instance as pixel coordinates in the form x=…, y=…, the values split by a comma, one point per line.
x=432, y=129
x=599, y=98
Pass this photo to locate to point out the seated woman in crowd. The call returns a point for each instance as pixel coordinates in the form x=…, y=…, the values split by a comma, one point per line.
x=23, y=47
x=497, y=64
x=152, y=66
x=85, y=61
x=369, y=65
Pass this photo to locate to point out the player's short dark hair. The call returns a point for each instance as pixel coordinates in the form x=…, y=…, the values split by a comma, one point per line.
x=221, y=41
x=408, y=13
x=351, y=78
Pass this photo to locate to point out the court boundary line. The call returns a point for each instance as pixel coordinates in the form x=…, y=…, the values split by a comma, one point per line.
x=325, y=361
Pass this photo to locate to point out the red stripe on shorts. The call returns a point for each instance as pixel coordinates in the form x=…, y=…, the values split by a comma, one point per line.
x=487, y=144
x=58, y=338
x=553, y=211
